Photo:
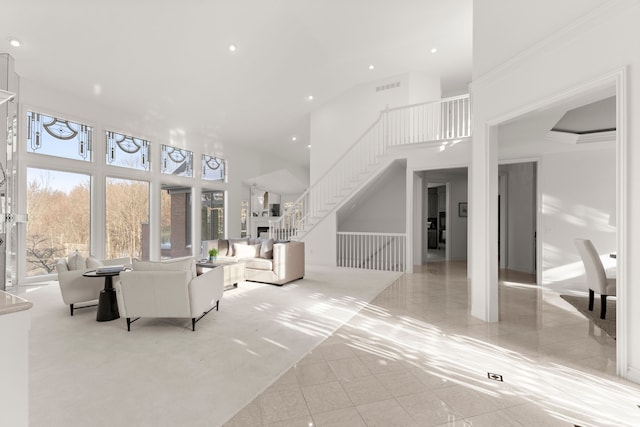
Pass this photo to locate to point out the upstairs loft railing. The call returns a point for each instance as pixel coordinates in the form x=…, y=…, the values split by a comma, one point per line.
x=445, y=119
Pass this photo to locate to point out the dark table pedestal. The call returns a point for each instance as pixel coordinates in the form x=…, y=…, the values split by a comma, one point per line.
x=107, y=303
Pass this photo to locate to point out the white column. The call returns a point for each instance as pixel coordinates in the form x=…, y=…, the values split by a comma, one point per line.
x=483, y=220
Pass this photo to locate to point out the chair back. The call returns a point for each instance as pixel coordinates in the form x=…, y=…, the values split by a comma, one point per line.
x=596, y=276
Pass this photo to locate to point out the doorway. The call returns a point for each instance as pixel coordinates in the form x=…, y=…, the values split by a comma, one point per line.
x=517, y=216
x=436, y=222
x=440, y=215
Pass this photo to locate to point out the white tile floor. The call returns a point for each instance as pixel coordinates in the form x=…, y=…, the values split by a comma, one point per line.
x=415, y=357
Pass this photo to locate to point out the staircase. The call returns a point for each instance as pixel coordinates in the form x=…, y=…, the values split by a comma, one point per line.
x=447, y=119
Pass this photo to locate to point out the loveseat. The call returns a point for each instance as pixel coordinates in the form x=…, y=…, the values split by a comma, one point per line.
x=266, y=260
x=168, y=289
x=74, y=287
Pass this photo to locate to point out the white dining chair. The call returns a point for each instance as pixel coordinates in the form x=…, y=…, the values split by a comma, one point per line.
x=597, y=280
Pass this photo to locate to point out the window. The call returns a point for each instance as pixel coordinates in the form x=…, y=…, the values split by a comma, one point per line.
x=127, y=217
x=244, y=213
x=175, y=222
x=127, y=151
x=58, y=207
x=212, y=205
x=58, y=137
x=176, y=161
x=213, y=168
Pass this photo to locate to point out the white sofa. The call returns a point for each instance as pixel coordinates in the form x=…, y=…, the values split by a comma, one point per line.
x=168, y=289
x=74, y=287
x=266, y=260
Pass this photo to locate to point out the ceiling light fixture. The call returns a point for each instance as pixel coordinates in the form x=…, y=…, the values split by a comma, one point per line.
x=309, y=146
x=294, y=139
x=371, y=67
x=232, y=47
x=434, y=49
x=310, y=98
x=15, y=42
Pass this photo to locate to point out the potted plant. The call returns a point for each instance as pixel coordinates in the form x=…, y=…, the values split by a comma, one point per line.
x=213, y=253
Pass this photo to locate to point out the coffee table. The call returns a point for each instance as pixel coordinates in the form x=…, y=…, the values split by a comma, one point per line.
x=107, y=302
x=234, y=272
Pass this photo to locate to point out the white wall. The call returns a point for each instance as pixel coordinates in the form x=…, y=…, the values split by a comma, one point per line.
x=586, y=54
x=579, y=204
x=379, y=208
x=337, y=124
x=518, y=24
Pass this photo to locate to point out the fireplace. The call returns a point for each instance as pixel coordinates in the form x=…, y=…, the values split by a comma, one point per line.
x=261, y=230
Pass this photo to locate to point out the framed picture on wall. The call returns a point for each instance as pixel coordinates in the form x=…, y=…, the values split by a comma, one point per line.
x=462, y=209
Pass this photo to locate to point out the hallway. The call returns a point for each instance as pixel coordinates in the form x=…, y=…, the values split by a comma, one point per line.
x=414, y=357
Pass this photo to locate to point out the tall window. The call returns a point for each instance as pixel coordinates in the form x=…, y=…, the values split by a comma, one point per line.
x=212, y=206
x=127, y=216
x=58, y=207
x=127, y=151
x=175, y=222
x=58, y=137
x=244, y=213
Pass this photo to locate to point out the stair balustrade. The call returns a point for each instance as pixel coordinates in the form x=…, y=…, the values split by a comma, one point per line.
x=442, y=120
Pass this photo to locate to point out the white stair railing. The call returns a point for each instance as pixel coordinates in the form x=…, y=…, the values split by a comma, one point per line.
x=372, y=251
x=445, y=119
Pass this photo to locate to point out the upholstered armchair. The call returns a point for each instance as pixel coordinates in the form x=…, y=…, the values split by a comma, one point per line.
x=597, y=280
x=74, y=287
x=168, y=289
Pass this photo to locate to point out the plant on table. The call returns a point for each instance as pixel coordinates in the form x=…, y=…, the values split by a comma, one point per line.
x=213, y=253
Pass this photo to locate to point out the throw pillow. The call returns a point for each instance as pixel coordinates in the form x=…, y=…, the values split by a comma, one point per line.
x=223, y=247
x=93, y=263
x=266, y=249
x=233, y=243
x=76, y=261
x=244, y=251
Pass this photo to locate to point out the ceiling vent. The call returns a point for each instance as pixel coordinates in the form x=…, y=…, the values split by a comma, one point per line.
x=388, y=86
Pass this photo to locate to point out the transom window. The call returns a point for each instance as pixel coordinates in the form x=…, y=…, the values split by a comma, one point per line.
x=53, y=136
x=213, y=168
x=127, y=151
x=176, y=161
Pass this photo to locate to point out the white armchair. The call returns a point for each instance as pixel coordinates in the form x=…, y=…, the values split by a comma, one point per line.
x=597, y=280
x=74, y=287
x=158, y=291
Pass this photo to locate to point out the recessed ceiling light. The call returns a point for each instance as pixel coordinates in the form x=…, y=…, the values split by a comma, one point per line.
x=309, y=146
x=15, y=42
x=232, y=47
x=371, y=67
x=310, y=98
x=434, y=49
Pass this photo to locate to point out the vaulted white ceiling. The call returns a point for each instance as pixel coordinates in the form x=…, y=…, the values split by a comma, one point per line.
x=169, y=59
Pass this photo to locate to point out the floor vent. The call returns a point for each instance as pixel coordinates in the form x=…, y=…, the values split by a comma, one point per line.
x=495, y=377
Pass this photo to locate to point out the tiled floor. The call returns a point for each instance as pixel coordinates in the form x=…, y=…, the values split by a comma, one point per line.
x=415, y=357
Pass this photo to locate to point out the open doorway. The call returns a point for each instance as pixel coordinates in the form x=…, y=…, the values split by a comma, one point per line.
x=436, y=223
x=575, y=179
x=517, y=216
x=443, y=217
